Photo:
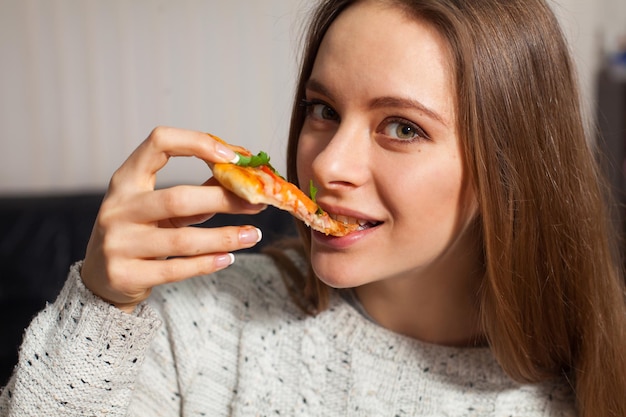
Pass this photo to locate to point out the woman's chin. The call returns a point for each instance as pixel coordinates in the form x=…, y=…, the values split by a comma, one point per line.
x=337, y=277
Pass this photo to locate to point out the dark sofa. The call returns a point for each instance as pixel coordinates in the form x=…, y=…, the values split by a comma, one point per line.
x=41, y=236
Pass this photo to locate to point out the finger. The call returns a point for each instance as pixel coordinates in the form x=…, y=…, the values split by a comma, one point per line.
x=131, y=282
x=140, y=169
x=186, y=221
x=177, y=269
x=185, y=201
x=192, y=241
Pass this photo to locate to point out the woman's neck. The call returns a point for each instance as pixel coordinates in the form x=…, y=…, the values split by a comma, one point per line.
x=439, y=305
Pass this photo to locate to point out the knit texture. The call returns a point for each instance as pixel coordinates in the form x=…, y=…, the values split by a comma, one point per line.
x=233, y=344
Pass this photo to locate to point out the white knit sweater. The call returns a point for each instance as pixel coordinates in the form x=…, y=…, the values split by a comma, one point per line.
x=233, y=343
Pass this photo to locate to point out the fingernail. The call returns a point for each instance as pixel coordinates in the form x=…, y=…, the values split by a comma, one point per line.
x=225, y=152
x=222, y=261
x=250, y=235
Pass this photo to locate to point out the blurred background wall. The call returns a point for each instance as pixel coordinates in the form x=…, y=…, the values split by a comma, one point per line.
x=82, y=82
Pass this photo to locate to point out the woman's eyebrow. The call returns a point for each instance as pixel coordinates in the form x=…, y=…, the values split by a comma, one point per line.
x=382, y=102
x=313, y=85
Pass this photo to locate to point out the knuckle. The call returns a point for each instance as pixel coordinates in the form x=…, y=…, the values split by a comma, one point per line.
x=230, y=238
x=179, y=242
x=116, y=180
x=174, y=201
x=106, y=216
x=167, y=271
x=205, y=268
x=171, y=271
x=157, y=132
x=117, y=275
x=159, y=136
x=110, y=248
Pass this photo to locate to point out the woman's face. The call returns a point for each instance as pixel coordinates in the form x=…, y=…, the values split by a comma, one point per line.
x=380, y=144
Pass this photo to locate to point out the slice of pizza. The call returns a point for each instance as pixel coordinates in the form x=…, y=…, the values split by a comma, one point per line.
x=254, y=179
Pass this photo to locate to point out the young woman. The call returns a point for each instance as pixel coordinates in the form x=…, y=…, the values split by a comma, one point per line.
x=484, y=280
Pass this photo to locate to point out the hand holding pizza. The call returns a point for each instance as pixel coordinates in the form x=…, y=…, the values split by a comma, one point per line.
x=140, y=238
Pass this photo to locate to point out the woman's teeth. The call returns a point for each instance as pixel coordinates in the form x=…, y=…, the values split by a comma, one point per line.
x=344, y=219
x=363, y=224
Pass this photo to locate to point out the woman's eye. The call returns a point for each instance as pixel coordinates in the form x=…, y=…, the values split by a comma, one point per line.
x=324, y=112
x=320, y=111
x=403, y=130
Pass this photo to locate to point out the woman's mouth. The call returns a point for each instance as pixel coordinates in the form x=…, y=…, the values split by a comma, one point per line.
x=363, y=223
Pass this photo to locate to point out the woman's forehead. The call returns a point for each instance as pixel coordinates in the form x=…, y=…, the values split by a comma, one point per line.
x=377, y=51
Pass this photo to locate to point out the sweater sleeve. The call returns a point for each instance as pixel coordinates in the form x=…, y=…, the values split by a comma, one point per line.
x=80, y=357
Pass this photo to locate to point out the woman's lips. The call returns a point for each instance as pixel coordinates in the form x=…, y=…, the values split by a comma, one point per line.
x=363, y=223
x=343, y=242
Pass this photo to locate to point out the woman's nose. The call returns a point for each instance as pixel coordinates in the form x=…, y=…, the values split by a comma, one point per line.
x=344, y=161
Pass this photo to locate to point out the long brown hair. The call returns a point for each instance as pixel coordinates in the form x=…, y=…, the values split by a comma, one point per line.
x=553, y=301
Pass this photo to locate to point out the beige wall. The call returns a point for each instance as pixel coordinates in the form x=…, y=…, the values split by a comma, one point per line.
x=82, y=82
